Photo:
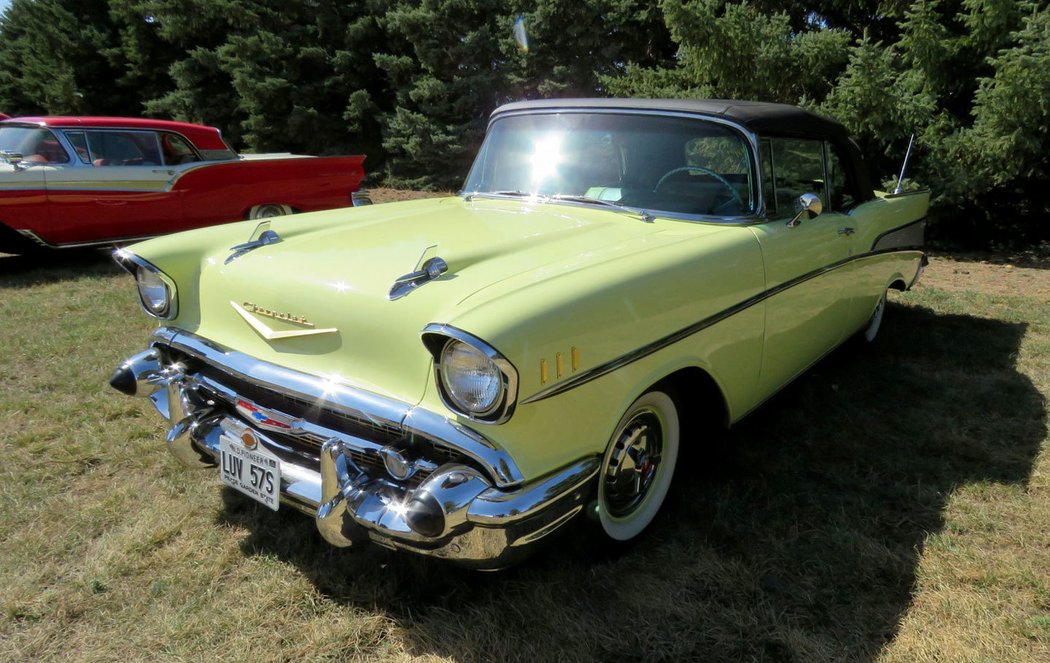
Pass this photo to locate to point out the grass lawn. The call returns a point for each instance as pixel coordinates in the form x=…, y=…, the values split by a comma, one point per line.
x=891, y=505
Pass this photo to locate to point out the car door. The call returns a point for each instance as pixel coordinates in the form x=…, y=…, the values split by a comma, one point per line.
x=807, y=297
x=118, y=188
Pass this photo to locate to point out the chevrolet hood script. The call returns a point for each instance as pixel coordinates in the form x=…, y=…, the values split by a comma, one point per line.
x=247, y=309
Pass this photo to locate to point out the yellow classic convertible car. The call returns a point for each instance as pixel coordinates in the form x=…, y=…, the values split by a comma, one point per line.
x=463, y=377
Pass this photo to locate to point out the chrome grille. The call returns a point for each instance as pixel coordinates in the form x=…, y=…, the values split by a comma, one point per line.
x=376, y=431
x=305, y=449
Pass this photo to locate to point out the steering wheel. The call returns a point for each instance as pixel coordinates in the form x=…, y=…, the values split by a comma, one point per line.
x=705, y=171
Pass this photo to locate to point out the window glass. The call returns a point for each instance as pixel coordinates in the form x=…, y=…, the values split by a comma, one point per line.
x=765, y=153
x=799, y=169
x=841, y=194
x=662, y=164
x=124, y=148
x=79, y=142
x=177, y=150
x=35, y=145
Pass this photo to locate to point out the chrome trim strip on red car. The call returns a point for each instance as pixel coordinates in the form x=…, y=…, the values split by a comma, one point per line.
x=671, y=339
x=32, y=236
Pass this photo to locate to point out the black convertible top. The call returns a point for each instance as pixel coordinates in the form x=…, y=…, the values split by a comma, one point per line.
x=762, y=118
x=758, y=116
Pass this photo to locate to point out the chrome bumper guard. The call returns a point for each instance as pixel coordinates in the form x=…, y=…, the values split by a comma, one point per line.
x=477, y=511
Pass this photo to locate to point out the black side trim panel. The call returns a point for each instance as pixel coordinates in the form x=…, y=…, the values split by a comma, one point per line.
x=909, y=236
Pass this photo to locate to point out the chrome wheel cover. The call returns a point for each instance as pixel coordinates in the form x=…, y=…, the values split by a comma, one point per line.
x=632, y=463
x=269, y=211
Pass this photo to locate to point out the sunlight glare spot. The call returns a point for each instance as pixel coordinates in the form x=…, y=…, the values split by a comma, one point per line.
x=330, y=384
x=398, y=508
x=546, y=155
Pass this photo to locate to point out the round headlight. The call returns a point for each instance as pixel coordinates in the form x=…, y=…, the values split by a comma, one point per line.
x=471, y=380
x=155, y=294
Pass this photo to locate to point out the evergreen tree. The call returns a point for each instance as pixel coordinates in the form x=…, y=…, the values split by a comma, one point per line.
x=411, y=83
x=54, y=59
x=968, y=77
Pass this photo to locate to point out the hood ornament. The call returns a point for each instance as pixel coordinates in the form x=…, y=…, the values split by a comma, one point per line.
x=246, y=310
x=261, y=236
x=429, y=267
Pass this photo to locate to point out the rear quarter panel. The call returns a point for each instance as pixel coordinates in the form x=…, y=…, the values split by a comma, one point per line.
x=889, y=244
x=222, y=192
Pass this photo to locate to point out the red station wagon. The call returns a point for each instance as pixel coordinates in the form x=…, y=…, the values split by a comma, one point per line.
x=79, y=181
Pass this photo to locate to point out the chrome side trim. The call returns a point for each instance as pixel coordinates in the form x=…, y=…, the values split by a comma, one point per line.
x=29, y=234
x=36, y=239
x=661, y=343
x=349, y=400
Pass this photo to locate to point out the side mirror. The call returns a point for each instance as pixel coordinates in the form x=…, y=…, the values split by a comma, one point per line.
x=13, y=158
x=808, y=205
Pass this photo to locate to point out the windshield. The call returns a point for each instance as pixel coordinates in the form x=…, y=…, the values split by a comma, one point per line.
x=660, y=164
x=34, y=144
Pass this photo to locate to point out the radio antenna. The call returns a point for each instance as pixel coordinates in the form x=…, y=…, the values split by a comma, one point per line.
x=907, y=154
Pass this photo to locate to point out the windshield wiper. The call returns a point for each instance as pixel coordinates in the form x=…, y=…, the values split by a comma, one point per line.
x=563, y=197
x=646, y=216
x=495, y=194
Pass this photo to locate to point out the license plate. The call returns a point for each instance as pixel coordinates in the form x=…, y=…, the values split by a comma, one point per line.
x=255, y=472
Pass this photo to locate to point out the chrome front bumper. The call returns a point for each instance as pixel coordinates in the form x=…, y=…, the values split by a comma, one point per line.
x=461, y=498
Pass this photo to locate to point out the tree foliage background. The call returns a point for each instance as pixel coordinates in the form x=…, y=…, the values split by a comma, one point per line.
x=410, y=83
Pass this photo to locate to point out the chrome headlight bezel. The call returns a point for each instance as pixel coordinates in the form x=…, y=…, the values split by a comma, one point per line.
x=441, y=341
x=148, y=275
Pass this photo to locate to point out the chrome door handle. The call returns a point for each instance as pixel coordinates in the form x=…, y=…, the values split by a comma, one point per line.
x=846, y=232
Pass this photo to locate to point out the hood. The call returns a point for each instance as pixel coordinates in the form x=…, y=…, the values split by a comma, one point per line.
x=327, y=282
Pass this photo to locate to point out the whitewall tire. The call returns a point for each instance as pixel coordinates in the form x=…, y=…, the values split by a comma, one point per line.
x=638, y=466
x=269, y=211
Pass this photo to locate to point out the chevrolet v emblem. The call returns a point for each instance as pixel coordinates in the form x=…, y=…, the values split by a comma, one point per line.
x=266, y=418
x=271, y=335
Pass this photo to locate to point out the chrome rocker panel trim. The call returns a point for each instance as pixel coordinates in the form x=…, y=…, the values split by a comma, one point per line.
x=483, y=520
